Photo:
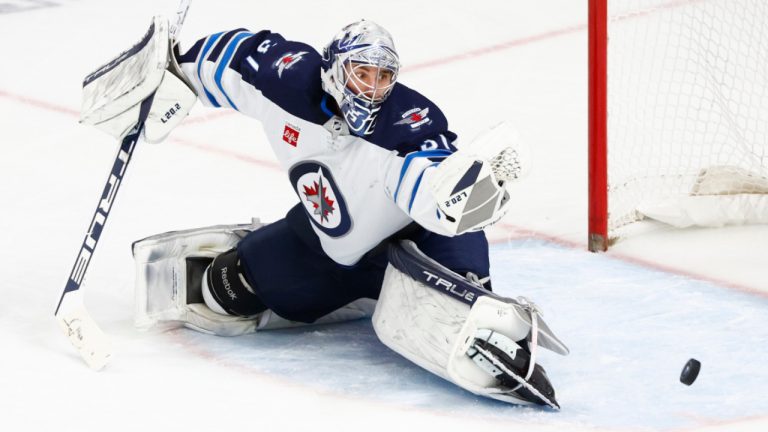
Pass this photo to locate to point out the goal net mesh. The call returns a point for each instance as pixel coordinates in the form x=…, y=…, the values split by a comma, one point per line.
x=687, y=111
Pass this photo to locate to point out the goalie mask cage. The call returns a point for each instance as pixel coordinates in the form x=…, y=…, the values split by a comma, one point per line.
x=678, y=114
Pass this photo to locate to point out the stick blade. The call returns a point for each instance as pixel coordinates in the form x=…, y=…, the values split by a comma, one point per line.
x=85, y=335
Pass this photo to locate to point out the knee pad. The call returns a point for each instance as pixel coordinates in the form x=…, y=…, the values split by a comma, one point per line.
x=228, y=289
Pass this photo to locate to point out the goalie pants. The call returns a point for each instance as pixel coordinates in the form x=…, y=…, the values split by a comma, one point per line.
x=285, y=265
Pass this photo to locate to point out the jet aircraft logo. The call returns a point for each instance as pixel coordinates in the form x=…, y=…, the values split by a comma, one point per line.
x=415, y=118
x=287, y=61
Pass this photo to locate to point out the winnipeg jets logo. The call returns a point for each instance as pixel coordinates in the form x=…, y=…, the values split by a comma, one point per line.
x=415, y=118
x=318, y=196
x=287, y=61
x=321, y=198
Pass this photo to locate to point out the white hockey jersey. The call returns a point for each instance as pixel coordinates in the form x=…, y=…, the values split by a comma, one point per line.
x=356, y=191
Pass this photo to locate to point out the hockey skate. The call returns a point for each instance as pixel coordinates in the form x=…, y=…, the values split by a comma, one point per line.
x=513, y=366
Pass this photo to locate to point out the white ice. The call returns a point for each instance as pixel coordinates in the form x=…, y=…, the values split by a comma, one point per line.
x=631, y=317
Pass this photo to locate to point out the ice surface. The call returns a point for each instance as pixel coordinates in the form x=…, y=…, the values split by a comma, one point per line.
x=626, y=355
x=631, y=317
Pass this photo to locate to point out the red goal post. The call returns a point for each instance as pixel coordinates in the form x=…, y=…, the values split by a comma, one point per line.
x=598, y=175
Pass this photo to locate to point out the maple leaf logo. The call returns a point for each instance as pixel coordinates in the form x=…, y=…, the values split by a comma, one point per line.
x=316, y=194
x=321, y=198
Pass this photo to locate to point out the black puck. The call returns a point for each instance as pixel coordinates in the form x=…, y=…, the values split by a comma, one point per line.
x=690, y=372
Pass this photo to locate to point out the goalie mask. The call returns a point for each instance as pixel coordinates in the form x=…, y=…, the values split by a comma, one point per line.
x=360, y=67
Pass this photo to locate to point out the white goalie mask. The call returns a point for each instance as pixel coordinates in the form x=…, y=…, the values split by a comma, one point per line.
x=360, y=67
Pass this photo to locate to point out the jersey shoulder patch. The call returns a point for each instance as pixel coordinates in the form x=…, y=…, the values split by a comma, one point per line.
x=286, y=64
x=407, y=120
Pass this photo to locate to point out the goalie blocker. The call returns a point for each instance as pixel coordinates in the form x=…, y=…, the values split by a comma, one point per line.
x=114, y=93
x=440, y=320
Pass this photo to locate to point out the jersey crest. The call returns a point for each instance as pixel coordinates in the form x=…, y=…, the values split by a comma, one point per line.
x=321, y=198
x=287, y=61
x=415, y=118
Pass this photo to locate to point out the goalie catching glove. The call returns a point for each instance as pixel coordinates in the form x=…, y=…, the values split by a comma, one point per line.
x=471, y=186
x=113, y=95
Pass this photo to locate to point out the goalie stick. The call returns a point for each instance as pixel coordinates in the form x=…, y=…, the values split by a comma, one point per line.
x=92, y=344
x=85, y=335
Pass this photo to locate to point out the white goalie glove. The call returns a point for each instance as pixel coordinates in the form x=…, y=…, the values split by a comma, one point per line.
x=114, y=95
x=471, y=185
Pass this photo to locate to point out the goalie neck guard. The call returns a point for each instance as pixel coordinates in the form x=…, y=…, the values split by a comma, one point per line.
x=360, y=44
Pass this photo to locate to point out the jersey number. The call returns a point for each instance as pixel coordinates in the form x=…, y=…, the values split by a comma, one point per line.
x=264, y=46
x=432, y=144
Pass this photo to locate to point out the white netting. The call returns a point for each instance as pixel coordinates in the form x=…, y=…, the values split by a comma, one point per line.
x=687, y=98
x=507, y=165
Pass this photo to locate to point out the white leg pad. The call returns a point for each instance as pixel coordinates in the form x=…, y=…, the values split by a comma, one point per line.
x=435, y=330
x=161, y=285
x=161, y=279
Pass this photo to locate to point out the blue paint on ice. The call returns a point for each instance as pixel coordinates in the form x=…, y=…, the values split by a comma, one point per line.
x=630, y=331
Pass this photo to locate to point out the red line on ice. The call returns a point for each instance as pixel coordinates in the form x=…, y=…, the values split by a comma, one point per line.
x=40, y=104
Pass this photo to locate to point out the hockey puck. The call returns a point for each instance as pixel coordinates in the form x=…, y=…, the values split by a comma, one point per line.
x=690, y=372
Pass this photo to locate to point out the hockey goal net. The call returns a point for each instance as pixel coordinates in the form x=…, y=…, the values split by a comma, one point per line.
x=678, y=114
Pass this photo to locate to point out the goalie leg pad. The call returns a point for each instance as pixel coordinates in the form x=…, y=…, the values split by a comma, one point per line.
x=169, y=274
x=436, y=321
x=170, y=292
x=407, y=258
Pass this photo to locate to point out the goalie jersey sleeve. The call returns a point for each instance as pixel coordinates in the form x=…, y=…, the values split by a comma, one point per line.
x=417, y=132
x=356, y=191
x=245, y=71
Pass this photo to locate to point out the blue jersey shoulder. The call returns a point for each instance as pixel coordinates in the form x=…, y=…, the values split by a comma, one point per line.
x=286, y=72
x=409, y=122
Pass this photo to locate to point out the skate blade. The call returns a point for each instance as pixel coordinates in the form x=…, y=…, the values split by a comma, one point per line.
x=498, y=364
